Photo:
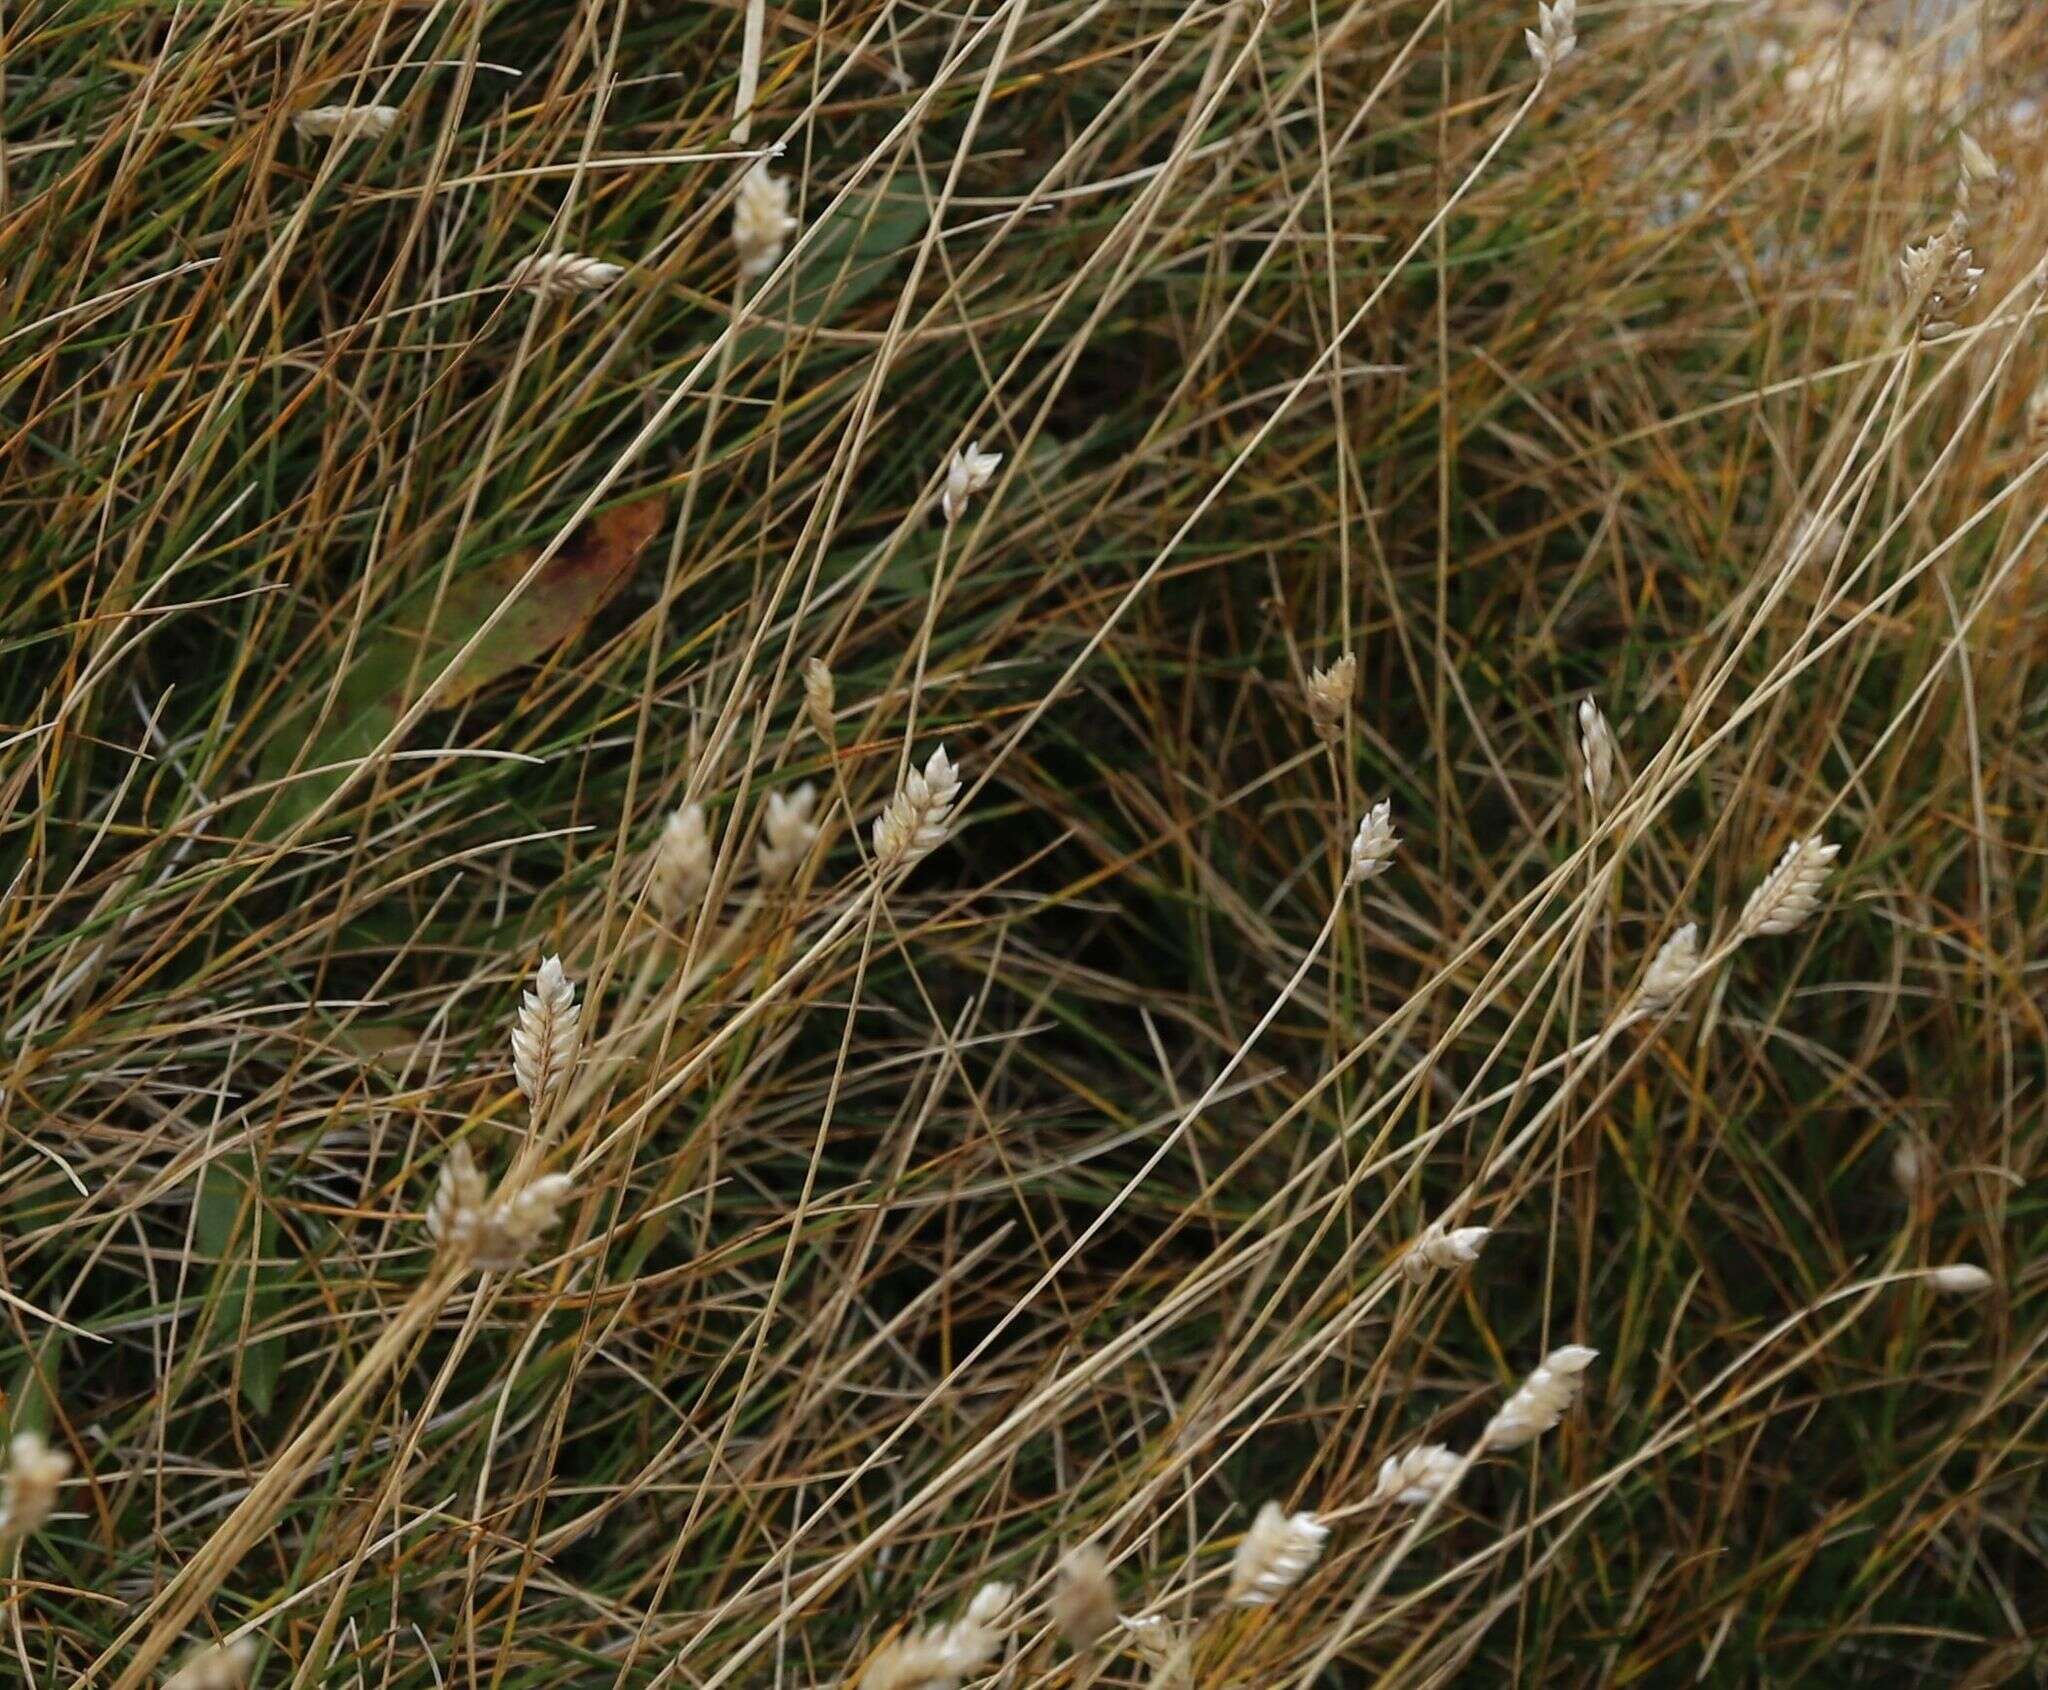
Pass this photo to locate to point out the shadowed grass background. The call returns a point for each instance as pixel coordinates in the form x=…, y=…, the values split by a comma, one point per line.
x=858, y=1316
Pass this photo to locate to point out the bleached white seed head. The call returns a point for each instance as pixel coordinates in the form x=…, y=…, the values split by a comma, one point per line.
x=1413, y=1479
x=1083, y=1597
x=1275, y=1555
x=967, y=473
x=1542, y=1400
x=681, y=871
x=917, y=819
x=548, y=1031
x=28, y=1496
x=1672, y=970
x=1439, y=1249
x=456, y=1213
x=1598, y=753
x=214, y=1666
x=1553, y=40
x=787, y=834
x=1982, y=181
x=761, y=221
x=820, y=696
x=1329, y=696
x=513, y=1226
x=1912, y=1163
x=1374, y=844
x=556, y=275
x=1959, y=1279
x=2037, y=409
x=346, y=123
x=937, y=1657
x=1790, y=893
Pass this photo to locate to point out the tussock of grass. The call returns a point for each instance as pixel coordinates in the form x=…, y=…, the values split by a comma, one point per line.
x=937, y=631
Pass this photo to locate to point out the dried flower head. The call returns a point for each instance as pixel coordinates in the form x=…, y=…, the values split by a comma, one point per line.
x=1373, y=845
x=497, y=1234
x=557, y=275
x=1541, y=1402
x=1553, y=40
x=761, y=221
x=28, y=1495
x=545, y=1038
x=1672, y=969
x=967, y=474
x=918, y=818
x=1790, y=893
x=346, y=123
x=1981, y=183
x=787, y=834
x=819, y=696
x=1165, y=1647
x=1329, y=696
x=214, y=1666
x=1083, y=1598
x=1912, y=1162
x=1413, y=1479
x=680, y=873
x=1274, y=1555
x=1598, y=753
x=1961, y=1279
x=1439, y=1249
x=938, y=1657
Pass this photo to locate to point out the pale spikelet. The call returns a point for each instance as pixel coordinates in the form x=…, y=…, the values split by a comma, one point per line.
x=967, y=473
x=787, y=834
x=1083, y=1598
x=544, y=1040
x=1598, y=753
x=1163, y=1646
x=1439, y=1249
x=1541, y=1402
x=1912, y=1163
x=1939, y=278
x=820, y=694
x=1552, y=41
x=1328, y=695
x=500, y=1233
x=1274, y=1555
x=28, y=1495
x=680, y=873
x=1981, y=183
x=346, y=123
x=1672, y=969
x=761, y=221
x=1411, y=1480
x=1959, y=1279
x=1790, y=893
x=214, y=1666
x=1373, y=846
x=940, y=1656
x=916, y=820
x=557, y=275
x=2037, y=415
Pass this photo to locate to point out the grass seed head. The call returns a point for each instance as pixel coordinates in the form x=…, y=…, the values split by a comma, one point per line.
x=1329, y=695
x=558, y=275
x=761, y=221
x=1912, y=1163
x=28, y=1495
x=1790, y=893
x=1083, y=1597
x=1960, y=1279
x=1439, y=1250
x=918, y=818
x=967, y=473
x=1410, y=1480
x=680, y=874
x=1553, y=40
x=214, y=1666
x=820, y=694
x=1275, y=1555
x=1598, y=753
x=1373, y=845
x=1542, y=1401
x=1672, y=970
x=346, y=123
x=938, y=1657
x=496, y=1233
x=545, y=1038
x=787, y=834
